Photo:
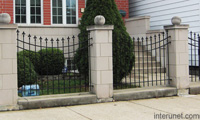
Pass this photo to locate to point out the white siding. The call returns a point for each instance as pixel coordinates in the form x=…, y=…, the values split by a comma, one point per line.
x=161, y=12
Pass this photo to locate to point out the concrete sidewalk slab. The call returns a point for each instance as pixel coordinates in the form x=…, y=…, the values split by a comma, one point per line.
x=173, y=105
x=127, y=110
x=115, y=111
x=60, y=113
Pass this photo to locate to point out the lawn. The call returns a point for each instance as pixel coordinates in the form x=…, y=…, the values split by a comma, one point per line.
x=60, y=86
x=71, y=85
x=63, y=86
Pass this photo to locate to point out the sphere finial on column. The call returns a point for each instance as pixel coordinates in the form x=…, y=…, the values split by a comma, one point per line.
x=176, y=20
x=5, y=18
x=99, y=20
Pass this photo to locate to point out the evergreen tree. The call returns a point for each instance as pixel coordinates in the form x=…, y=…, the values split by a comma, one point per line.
x=123, y=58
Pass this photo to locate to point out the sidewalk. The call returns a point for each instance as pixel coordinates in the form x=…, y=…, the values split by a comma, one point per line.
x=128, y=110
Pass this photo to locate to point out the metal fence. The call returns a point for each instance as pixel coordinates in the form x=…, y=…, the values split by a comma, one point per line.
x=151, y=60
x=194, y=57
x=48, y=66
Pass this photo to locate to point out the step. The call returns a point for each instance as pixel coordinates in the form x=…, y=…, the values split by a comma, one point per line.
x=146, y=81
x=146, y=58
x=140, y=48
x=136, y=43
x=149, y=70
x=144, y=49
x=148, y=84
x=147, y=64
x=150, y=80
x=149, y=53
x=146, y=76
x=141, y=53
x=140, y=43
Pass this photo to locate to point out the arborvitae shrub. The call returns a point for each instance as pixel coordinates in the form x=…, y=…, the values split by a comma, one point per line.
x=51, y=61
x=34, y=57
x=26, y=72
x=123, y=58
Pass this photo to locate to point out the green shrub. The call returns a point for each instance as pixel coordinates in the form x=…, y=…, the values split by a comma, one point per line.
x=123, y=58
x=51, y=61
x=34, y=57
x=26, y=72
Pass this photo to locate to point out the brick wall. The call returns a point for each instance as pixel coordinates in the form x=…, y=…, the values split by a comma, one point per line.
x=81, y=4
x=6, y=6
x=123, y=5
x=47, y=12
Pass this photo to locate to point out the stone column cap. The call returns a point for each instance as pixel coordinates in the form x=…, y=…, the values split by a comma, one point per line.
x=182, y=26
x=137, y=18
x=100, y=27
x=8, y=26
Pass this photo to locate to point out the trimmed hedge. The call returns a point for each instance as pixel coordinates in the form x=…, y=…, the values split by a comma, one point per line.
x=34, y=57
x=51, y=61
x=26, y=72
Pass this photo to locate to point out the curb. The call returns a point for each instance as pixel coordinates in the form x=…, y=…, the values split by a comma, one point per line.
x=144, y=93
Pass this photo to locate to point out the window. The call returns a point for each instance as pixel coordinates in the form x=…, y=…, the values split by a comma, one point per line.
x=71, y=11
x=28, y=11
x=64, y=12
x=20, y=11
x=35, y=11
x=57, y=11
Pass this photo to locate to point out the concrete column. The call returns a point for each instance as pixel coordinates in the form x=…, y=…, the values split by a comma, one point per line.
x=178, y=56
x=101, y=61
x=8, y=67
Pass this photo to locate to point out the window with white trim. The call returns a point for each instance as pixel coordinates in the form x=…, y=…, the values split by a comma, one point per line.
x=57, y=11
x=20, y=11
x=28, y=11
x=71, y=11
x=65, y=12
x=35, y=11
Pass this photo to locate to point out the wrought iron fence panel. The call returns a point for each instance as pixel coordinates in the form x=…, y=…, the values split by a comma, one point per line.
x=49, y=66
x=151, y=62
x=194, y=56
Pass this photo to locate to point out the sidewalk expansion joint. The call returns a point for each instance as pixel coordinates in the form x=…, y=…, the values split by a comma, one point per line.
x=150, y=107
x=79, y=114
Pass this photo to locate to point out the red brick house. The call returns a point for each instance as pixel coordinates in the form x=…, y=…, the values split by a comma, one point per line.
x=49, y=18
x=49, y=12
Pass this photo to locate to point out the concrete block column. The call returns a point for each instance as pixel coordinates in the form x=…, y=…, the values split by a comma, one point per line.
x=8, y=67
x=101, y=61
x=178, y=56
